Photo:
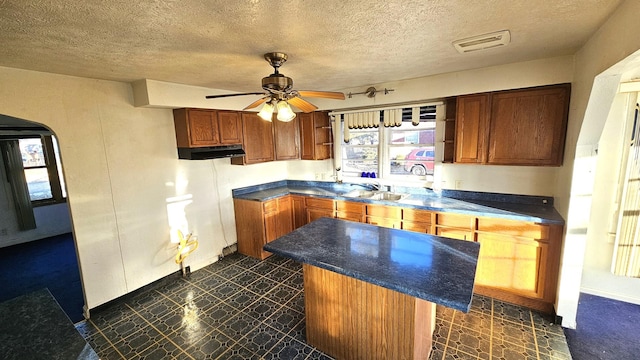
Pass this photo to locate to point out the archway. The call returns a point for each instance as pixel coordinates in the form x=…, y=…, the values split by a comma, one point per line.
x=44, y=253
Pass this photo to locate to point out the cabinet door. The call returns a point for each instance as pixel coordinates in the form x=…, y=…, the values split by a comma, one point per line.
x=416, y=226
x=315, y=136
x=455, y=233
x=528, y=126
x=472, y=115
x=286, y=139
x=257, y=141
x=514, y=264
x=299, y=211
x=285, y=216
x=307, y=136
x=316, y=213
x=250, y=227
x=230, y=125
x=196, y=127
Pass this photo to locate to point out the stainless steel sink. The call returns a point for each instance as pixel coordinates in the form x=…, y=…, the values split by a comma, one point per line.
x=389, y=196
x=360, y=194
x=375, y=195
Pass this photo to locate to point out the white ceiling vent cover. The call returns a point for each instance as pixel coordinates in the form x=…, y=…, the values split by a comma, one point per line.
x=481, y=42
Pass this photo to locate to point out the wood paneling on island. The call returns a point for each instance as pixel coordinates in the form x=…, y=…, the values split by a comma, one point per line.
x=351, y=319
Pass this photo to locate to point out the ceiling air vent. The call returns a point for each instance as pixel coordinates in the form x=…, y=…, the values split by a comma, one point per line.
x=481, y=42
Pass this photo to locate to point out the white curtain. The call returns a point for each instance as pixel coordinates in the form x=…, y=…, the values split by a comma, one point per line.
x=626, y=256
x=15, y=175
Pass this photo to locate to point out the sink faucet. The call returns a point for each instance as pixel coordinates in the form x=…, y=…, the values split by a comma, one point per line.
x=374, y=185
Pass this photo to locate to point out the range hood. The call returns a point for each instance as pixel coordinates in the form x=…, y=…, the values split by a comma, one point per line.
x=213, y=152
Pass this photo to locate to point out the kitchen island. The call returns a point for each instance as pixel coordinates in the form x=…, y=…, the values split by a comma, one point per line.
x=370, y=292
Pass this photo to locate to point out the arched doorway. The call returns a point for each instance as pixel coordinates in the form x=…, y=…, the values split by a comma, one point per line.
x=37, y=245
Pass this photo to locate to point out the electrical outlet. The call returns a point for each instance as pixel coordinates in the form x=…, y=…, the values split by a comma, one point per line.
x=458, y=184
x=4, y=232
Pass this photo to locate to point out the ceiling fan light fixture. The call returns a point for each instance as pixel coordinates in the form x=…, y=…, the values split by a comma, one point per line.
x=266, y=113
x=285, y=114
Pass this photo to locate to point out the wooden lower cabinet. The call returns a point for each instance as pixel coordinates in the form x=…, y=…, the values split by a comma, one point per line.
x=299, y=211
x=262, y=222
x=518, y=260
x=350, y=210
x=319, y=207
x=456, y=226
x=513, y=264
x=385, y=216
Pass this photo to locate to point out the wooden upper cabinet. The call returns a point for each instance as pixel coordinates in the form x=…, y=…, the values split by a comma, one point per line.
x=257, y=141
x=230, y=124
x=513, y=127
x=315, y=136
x=286, y=139
x=472, y=114
x=196, y=127
x=528, y=126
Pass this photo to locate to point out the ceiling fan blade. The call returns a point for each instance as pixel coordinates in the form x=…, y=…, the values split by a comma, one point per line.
x=229, y=95
x=322, y=94
x=256, y=103
x=301, y=104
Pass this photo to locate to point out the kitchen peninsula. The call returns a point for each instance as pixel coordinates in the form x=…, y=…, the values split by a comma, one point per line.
x=370, y=292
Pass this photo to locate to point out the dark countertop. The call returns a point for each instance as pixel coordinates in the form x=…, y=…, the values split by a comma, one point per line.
x=537, y=209
x=34, y=327
x=432, y=268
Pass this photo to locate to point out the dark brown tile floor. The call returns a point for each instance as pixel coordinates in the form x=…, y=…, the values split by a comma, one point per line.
x=241, y=308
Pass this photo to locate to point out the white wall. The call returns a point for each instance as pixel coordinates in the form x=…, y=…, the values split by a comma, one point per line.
x=599, y=66
x=122, y=172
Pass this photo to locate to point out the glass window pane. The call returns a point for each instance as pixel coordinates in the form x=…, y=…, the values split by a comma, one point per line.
x=363, y=137
x=32, y=153
x=426, y=136
x=38, y=183
x=412, y=161
x=412, y=150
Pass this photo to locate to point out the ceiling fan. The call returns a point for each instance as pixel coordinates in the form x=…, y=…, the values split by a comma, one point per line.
x=278, y=93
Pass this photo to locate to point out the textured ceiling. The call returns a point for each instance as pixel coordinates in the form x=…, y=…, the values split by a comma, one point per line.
x=332, y=44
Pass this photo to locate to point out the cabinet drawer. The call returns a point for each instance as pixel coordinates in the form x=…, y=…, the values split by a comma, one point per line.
x=417, y=215
x=320, y=203
x=422, y=227
x=350, y=206
x=344, y=215
x=513, y=228
x=455, y=233
x=390, y=212
x=384, y=222
x=458, y=221
x=270, y=206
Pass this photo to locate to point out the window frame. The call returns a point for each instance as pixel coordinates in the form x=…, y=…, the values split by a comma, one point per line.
x=384, y=160
x=51, y=164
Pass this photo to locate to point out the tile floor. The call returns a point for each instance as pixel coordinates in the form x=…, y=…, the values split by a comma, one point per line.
x=242, y=308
